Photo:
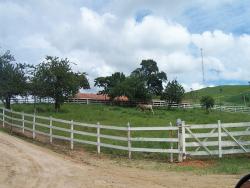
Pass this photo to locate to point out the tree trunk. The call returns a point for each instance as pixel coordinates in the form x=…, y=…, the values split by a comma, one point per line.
x=7, y=102
x=57, y=105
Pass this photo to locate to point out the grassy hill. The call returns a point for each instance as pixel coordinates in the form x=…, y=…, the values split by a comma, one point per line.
x=225, y=94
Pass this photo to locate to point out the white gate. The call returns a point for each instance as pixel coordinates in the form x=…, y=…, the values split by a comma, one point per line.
x=216, y=139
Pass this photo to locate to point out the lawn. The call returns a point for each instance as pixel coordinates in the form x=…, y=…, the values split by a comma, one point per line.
x=120, y=116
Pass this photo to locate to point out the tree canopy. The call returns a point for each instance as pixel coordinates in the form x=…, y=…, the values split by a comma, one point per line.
x=142, y=84
x=173, y=93
x=133, y=88
x=13, y=78
x=109, y=83
x=207, y=102
x=54, y=78
x=150, y=74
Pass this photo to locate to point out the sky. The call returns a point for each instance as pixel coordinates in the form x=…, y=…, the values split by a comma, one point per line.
x=106, y=36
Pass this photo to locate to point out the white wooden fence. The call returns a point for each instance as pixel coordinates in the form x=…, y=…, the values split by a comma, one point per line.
x=241, y=109
x=183, y=140
x=217, y=139
x=77, y=132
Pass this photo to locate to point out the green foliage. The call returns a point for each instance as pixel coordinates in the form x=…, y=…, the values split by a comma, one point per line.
x=109, y=83
x=13, y=78
x=207, y=102
x=54, y=78
x=132, y=87
x=141, y=85
x=149, y=73
x=173, y=93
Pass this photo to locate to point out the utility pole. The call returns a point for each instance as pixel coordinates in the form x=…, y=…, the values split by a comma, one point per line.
x=202, y=67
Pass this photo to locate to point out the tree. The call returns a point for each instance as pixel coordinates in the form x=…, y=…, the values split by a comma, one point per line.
x=173, y=93
x=13, y=78
x=109, y=82
x=153, y=78
x=133, y=88
x=54, y=78
x=207, y=102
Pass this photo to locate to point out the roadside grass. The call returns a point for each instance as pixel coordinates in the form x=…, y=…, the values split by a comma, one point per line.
x=227, y=165
x=119, y=116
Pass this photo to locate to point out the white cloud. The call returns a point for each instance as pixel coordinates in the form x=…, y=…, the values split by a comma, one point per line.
x=104, y=41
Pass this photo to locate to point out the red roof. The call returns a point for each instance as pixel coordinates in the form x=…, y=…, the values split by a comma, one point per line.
x=98, y=97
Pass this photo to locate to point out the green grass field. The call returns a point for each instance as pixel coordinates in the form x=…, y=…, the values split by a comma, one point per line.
x=119, y=116
x=227, y=94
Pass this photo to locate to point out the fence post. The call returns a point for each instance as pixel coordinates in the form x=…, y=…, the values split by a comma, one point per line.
x=34, y=126
x=23, y=121
x=129, y=141
x=98, y=139
x=3, y=118
x=72, y=135
x=219, y=139
x=181, y=140
x=50, y=129
x=171, y=143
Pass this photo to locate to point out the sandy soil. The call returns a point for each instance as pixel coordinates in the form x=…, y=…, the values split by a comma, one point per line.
x=23, y=164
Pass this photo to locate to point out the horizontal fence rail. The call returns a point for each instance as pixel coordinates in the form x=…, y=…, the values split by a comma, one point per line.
x=93, y=134
x=181, y=140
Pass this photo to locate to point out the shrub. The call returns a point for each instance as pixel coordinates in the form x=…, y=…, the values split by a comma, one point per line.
x=207, y=102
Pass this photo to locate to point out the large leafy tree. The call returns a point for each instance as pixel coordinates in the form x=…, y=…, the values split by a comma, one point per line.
x=54, y=78
x=108, y=83
x=132, y=87
x=13, y=78
x=173, y=93
x=150, y=74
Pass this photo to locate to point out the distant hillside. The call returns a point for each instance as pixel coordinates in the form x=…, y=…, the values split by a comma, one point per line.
x=226, y=94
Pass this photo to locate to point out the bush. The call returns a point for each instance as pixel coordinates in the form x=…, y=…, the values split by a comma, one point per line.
x=207, y=102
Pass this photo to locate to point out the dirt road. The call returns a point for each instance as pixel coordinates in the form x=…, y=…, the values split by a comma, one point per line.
x=24, y=164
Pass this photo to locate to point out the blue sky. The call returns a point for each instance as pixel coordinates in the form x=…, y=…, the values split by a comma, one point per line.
x=104, y=36
x=230, y=18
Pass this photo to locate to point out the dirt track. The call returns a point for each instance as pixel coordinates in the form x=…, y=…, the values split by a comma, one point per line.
x=23, y=164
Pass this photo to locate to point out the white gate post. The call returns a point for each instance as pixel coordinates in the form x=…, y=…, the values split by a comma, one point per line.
x=3, y=118
x=98, y=139
x=180, y=142
x=171, y=143
x=23, y=121
x=72, y=135
x=129, y=141
x=219, y=139
x=50, y=129
x=34, y=126
x=183, y=140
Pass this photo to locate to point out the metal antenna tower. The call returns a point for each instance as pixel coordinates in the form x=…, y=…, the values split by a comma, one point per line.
x=202, y=67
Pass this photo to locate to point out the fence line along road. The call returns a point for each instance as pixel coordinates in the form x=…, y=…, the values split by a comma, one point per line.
x=182, y=140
